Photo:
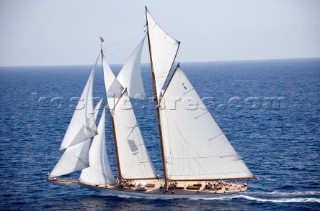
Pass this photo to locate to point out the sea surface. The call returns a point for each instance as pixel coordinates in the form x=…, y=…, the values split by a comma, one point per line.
x=269, y=110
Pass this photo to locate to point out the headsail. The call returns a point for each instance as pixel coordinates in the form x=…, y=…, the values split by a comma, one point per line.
x=130, y=74
x=99, y=171
x=75, y=157
x=163, y=51
x=82, y=125
x=134, y=160
x=194, y=146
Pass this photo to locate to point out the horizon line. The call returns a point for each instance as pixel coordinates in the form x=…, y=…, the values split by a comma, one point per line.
x=188, y=62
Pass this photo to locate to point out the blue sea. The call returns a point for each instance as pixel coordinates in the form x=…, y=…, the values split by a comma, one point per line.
x=269, y=110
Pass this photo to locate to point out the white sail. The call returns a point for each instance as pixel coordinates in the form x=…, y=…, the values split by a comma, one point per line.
x=82, y=125
x=163, y=49
x=133, y=156
x=194, y=146
x=99, y=171
x=112, y=85
x=73, y=159
x=130, y=74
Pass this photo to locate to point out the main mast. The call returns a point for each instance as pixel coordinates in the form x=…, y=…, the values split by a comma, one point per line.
x=157, y=104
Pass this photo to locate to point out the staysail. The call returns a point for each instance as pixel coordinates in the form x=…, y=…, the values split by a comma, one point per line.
x=99, y=171
x=163, y=50
x=82, y=125
x=75, y=157
x=130, y=74
x=134, y=159
x=195, y=148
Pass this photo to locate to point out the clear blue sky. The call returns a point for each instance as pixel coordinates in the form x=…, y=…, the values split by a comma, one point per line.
x=66, y=32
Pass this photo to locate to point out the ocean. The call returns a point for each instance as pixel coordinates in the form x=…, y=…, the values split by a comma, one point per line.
x=269, y=110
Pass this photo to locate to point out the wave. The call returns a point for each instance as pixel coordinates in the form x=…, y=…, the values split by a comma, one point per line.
x=279, y=200
x=294, y=193
x=281, y=193
x=232, y=197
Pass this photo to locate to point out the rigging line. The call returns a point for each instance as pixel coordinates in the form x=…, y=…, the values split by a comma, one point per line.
x=115, y=56
x=123, y=41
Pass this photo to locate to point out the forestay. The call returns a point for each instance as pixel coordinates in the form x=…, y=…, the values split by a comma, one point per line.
x=130, y=74
x=194, y=146
x=99, y=171
x=82, y=125
x=163, y=49
x=133, y=156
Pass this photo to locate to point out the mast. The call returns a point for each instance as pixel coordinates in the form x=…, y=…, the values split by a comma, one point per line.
x=157, y=105
x=114, y=133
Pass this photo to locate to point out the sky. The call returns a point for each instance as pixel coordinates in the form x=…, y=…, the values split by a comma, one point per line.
x=60, y=32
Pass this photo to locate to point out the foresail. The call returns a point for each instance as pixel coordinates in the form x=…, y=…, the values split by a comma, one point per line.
x=134, y=161
x=99, y=171
x=73, y=159
x=82, y=125
x=130, y=74
x=163, y=50
x=133, y=156
x=194, y=145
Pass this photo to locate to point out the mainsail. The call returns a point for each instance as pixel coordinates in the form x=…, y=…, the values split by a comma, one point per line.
x=130, y=74
x=163, y=50
x=82, y=125
x=134, y=160
x=195, y=148
x=99, y=171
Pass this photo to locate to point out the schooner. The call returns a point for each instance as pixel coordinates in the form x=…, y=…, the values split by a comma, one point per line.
x=197, y=158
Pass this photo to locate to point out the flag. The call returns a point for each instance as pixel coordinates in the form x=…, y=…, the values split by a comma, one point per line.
x=101, y=39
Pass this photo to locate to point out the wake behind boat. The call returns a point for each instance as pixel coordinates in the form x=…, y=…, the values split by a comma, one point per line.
x=197, y=158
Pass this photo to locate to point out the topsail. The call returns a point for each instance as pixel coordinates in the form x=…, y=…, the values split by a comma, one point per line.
x=130, y=74
x=163, y=51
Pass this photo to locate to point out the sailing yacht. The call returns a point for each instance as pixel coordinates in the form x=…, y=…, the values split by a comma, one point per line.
x=197, y=158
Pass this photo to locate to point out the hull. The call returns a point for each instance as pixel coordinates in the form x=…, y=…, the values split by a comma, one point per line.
x=153, y=189
x=158, y=193
x=118, y=193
